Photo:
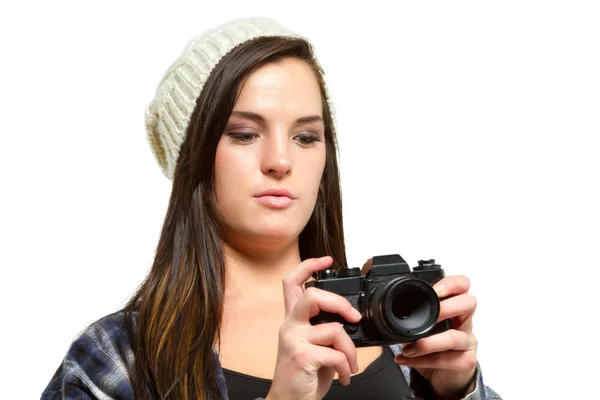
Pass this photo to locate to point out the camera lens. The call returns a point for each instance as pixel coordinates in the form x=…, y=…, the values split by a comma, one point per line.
x=410, y=305
x=403, y=309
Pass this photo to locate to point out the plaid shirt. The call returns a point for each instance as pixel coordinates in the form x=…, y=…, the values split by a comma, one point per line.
x=97, y=363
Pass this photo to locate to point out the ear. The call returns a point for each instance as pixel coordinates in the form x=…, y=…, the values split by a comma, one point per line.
x=366, y=267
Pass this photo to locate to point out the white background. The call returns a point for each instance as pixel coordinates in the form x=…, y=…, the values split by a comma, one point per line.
x=468, y=133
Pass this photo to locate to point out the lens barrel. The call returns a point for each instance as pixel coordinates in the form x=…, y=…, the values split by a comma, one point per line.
x=403, y=309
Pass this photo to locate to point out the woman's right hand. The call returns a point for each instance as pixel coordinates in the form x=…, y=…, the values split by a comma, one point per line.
x=309, y=356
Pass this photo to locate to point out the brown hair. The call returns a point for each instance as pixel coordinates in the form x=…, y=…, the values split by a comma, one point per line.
x=178, y=307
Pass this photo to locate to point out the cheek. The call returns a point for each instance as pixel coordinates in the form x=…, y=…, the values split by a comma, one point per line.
x=231, y=172
x=313, y=175
x=222, y=175
x=318, y=167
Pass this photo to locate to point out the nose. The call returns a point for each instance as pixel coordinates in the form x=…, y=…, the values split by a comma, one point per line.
x=277, y=158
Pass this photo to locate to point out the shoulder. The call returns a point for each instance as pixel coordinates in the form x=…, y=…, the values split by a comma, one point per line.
x=97, y=363
x=110, y=330
x=103, y=342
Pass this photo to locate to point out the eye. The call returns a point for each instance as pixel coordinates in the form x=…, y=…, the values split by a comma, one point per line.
x=309, y=138
x=244, y=137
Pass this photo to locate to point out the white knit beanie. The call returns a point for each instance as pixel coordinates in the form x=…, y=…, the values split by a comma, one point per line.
x=168, y=115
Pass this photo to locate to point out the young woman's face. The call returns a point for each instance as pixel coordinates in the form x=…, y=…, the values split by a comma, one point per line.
x=274, y=141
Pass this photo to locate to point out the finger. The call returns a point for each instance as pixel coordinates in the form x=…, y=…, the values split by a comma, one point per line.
x=293, y=282
x=327, y=357
x=333, y=334
x=452, y=285
x=457, y=361
x=315, y=300
x=463, y=305
x=448, y=340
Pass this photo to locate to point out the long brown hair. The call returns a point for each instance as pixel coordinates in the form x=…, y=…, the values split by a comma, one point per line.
x=174, y=318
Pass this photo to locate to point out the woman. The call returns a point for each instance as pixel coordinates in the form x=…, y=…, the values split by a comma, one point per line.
x=242, y=124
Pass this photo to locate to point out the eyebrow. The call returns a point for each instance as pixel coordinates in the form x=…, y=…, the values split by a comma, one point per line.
x=259, y=118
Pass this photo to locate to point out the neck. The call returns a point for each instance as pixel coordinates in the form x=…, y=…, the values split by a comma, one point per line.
x=258, y=274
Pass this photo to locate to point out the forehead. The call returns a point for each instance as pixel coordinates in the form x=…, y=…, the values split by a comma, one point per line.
x=287, y=87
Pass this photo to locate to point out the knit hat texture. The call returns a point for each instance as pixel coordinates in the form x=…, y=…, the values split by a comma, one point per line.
x=168, y=114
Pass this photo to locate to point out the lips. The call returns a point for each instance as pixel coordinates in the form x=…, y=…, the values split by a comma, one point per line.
x=276, y=198
x=277, y=193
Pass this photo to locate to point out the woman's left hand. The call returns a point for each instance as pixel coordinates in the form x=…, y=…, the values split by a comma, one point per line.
x=448, y=360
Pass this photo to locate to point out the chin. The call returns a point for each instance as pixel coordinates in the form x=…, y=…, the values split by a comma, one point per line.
x=268, y=230
x=281, y=232
x=284, y=234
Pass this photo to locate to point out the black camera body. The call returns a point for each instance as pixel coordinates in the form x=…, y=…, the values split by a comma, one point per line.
x=397, y=305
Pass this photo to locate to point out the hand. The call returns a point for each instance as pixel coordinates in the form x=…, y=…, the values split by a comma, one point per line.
x=448, y=360
x=309, y=356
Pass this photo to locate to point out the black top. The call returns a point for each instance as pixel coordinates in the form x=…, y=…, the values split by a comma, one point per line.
x=381, y=380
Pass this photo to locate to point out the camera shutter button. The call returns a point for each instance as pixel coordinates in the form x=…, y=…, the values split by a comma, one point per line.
x=327, y=274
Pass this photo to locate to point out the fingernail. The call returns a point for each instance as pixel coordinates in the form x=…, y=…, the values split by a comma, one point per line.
x=400, y=359
x=440, y=289
x=355, y=368
x=356, y=313
x=408, y=351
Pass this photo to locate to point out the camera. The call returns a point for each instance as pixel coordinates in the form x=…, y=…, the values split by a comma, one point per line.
x=397, y=305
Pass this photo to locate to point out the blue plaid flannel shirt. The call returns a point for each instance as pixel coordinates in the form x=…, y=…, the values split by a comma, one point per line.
x=98, y=361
